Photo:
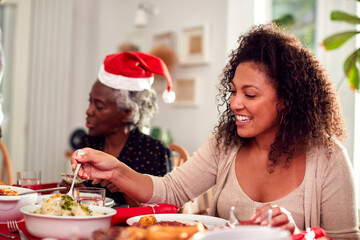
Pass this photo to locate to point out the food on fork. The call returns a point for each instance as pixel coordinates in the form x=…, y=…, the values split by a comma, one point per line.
x=8, y=192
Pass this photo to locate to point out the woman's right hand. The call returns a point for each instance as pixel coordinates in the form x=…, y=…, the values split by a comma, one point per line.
x=98, y=165
x=95, y=164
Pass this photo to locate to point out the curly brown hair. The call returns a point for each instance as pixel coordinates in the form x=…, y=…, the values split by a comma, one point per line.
x=311, y=115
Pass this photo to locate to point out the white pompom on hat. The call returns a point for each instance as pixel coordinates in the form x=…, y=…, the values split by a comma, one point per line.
x=134, y=71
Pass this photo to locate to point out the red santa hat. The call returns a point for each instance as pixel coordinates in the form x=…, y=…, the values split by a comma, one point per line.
x=134, y=71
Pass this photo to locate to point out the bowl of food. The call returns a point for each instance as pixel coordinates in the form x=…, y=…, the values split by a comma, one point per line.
x=11, y=202
x=61, y=217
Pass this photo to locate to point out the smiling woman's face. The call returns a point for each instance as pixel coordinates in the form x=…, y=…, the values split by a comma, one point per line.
x=254, y=102
x=102, y=115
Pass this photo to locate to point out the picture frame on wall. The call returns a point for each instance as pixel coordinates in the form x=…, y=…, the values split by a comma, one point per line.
x=164, y=39
x=194, y=45
x=185, y=92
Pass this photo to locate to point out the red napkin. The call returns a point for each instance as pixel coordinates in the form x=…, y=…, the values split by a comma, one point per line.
x=122, y=214
x=315, y=233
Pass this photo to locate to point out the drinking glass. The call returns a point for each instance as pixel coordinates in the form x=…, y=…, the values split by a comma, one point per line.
x=90, y=195
x=29, y=179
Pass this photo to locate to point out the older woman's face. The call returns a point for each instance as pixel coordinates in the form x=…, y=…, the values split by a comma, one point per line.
x=103, y=117
x=254, y=102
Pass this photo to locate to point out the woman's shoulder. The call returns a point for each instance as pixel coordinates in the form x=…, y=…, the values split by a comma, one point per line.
x=327, y=159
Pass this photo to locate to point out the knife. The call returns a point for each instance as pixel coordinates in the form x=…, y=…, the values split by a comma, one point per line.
x=8, y=236
x=43, y=190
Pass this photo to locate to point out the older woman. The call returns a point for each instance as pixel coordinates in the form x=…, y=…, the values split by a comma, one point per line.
x=121, y=105
x=277, y=145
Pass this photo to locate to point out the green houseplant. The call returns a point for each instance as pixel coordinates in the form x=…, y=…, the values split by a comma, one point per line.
x=351, y=65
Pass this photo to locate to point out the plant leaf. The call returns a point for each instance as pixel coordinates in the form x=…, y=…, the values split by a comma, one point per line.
x=344, y=17
x=285, y=20
x=351, y=69
x=336, y=40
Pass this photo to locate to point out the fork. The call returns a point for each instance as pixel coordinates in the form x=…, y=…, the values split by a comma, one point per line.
x=13, y=227
x=233, y=219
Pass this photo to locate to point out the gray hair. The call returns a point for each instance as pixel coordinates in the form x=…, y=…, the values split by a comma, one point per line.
x=142, y=104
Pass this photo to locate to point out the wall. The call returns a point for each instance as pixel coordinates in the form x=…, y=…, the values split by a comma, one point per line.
x=190, y=126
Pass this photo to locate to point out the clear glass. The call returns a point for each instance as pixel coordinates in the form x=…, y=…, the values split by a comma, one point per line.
x=28, y=179
x=90, y=195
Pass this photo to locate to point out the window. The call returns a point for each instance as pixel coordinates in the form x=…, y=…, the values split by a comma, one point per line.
x=301, y=17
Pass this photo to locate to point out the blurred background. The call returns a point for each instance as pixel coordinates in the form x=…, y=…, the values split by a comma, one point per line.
x=54, y=48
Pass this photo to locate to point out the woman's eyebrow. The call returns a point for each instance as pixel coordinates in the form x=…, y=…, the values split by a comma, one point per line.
x=250, y=86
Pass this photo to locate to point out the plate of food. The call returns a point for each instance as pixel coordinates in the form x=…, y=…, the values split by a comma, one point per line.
x=160, y=226
x=178, y=219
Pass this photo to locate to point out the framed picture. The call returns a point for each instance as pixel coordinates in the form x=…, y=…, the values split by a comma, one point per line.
x=164, y=39
x=185, y=90
x=194, y=45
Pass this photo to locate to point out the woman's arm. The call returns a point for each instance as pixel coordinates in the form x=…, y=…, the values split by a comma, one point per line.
x=99, y=165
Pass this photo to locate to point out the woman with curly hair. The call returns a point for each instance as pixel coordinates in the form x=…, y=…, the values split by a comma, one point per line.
x=121, y=105
x=277, y=145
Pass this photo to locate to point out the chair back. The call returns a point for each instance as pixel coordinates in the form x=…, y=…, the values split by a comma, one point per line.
x=200, y=204
x=180, y=154
x=6, y=169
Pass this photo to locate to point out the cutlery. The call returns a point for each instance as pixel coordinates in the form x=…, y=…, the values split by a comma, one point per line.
x=70, y=193
x=8, y=236
x=43, y=190
x=233, y=220
x=13, y=227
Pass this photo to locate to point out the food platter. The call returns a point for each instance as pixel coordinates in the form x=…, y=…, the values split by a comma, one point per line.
x=10, y=205
x=209, y=221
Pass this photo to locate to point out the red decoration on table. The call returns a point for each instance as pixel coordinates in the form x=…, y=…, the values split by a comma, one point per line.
x=312, y=233
x=122, y=214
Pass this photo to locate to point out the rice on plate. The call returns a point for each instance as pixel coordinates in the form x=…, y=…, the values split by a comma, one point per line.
x=64, y=206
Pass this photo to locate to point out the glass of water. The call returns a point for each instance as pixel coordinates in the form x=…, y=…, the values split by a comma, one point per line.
x=90, y=195
x=29, y=179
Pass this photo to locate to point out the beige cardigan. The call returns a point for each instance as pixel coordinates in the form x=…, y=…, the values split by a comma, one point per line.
x=329, y=189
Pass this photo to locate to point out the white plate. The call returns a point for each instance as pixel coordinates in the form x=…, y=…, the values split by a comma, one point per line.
x=244, y=233
x=208, y=221
x=109, y=202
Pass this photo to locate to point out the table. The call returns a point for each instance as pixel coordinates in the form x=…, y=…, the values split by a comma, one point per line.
x=21, y=224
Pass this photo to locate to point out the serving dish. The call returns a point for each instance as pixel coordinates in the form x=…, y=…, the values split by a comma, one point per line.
x=65, y=227
x=10, y=205
x=209, y=221
x=244, y=233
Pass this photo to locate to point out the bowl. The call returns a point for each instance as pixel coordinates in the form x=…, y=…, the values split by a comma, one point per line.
x=10, y=205
x=65, y=227
x=244, y=233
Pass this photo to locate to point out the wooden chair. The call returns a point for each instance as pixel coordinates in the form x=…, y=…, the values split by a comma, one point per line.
x=201, y=204
x=180, y=154
x=6, y=165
